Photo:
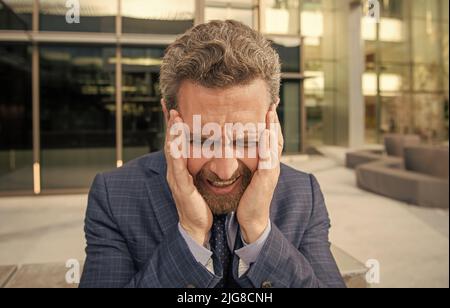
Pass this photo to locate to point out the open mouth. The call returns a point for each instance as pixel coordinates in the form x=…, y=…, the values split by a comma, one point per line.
x=223, y=187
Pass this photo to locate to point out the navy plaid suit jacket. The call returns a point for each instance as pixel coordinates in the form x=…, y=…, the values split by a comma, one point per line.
x=133, y=240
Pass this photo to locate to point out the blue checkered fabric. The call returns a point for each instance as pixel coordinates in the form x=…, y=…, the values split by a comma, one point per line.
x=133, y=240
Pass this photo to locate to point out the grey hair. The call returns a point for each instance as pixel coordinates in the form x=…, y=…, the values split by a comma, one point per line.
x=219, y=54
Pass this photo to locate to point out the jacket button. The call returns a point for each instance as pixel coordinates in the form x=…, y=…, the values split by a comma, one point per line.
x=190, y=286
x=266, y=285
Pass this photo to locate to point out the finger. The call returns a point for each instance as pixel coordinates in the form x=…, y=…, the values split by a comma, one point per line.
x=265, y=141
x=171, y=133
x=173, y=117
x=272, y=158
x=167, y=144
x=177, y=140
x=280, y=132
x=180, y=128
x=179, y=164
x=268, y=117
x=264, y=151
x=169, y=125
x=274, y=152
x=179, y=173
x=276, y=135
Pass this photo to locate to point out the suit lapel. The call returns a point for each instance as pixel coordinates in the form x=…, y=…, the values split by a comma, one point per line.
x=159, y=193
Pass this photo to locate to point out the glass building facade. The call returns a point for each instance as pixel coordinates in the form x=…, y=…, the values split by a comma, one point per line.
x=406, y=76
x=79, y=93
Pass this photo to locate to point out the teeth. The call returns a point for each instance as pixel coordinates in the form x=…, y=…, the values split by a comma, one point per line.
x=223, y=183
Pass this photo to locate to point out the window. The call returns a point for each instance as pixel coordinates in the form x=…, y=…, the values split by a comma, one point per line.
x=16, y=155
x=95, y=15
x=157, y=17
x=77, y=114
x=16, y=14
x=289, y=51
x=281, y=17
x=289, y=113
x=143, y=121
x=244, y=11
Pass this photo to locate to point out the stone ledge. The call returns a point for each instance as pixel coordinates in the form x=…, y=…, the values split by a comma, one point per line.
x=6, y=273
x=52, y=275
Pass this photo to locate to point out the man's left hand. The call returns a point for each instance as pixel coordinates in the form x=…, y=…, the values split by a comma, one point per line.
x=254, y=208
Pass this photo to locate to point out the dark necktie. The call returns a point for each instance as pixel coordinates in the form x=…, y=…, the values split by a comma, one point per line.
x=221, y=253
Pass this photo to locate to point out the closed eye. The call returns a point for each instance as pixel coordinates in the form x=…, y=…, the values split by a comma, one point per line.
x=245, y=143
x=203, y=141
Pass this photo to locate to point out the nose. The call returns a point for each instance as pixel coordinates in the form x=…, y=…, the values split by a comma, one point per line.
x=224, y=168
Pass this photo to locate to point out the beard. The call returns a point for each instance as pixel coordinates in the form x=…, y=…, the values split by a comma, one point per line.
x=227, y=203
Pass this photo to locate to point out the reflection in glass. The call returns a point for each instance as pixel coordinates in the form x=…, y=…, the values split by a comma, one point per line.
x=404, y=83
x=391, y=30
x=289, y=113
x=95, y=15
x=395, y=8
x=281, y=16
x=312, y=26
x=427, y=9
x=77, y=114
x=289, y=51
x=315, y=120
x=241, y=10
x=16, y=158
x=430, y=120
x=426, y=45
x=157, y=17
x=16, y=14
x=318, y=75
x=143, y=121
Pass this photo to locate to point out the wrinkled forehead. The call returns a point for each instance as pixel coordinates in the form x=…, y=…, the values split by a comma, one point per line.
x=240, y=104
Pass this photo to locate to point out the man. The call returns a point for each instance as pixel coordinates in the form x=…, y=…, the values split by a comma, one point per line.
x=168, y=220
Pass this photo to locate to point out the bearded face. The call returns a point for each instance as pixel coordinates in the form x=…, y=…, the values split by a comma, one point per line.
x=223, y=196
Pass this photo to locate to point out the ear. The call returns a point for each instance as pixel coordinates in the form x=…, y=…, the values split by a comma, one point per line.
x=165, y=111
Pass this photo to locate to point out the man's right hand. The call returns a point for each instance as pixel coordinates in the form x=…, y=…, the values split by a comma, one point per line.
x=194, y=214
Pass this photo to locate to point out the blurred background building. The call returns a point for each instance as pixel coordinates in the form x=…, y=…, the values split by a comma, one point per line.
x=81, y=98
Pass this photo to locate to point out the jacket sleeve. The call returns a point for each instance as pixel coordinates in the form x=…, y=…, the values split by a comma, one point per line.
x=110, y=265
x=282, y=265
